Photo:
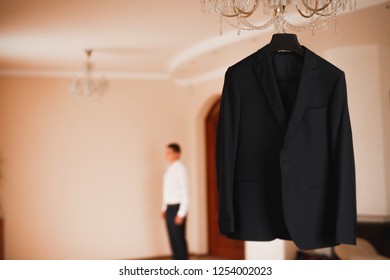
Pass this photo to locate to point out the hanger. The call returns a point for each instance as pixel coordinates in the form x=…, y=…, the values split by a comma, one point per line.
x=285, y=42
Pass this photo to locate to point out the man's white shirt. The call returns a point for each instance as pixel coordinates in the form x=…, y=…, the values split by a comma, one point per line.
x=175, y=187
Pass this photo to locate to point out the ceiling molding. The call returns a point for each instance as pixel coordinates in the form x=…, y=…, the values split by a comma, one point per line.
x=231, y=37
x=67, y=74
x=209, y=76
x=172, y=65
x=209, y=45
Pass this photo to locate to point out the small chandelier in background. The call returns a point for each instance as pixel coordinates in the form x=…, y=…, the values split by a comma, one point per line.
x=87, y=86
x=318, y=13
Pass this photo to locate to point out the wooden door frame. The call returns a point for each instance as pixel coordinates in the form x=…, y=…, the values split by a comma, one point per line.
x=209, y=169
x=232, y=248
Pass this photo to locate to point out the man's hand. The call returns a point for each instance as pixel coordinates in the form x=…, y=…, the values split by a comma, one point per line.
x=179, y=220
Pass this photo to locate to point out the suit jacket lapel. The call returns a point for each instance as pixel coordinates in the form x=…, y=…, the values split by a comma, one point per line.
x=308, y=82
x=264, y=71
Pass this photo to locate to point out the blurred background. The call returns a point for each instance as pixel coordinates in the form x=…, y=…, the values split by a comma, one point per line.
x=81, y=176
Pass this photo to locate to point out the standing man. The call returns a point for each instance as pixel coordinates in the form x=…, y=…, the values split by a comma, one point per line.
x=175, y=201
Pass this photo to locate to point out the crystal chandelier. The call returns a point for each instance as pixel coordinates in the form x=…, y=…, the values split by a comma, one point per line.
x=87, y=86
x=318, y=13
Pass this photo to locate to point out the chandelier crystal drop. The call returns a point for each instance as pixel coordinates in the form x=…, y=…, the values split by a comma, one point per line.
x=87, y=86
x=316, y=12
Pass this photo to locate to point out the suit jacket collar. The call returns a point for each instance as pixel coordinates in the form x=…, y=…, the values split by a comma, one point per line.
x=308, y=81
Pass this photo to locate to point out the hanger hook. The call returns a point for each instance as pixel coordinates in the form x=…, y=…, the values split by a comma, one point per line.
x=278, y=14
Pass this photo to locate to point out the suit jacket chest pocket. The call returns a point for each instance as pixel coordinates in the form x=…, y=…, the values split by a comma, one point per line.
x=317, y=121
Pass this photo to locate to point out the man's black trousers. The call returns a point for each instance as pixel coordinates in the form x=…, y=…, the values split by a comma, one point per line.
x=176, y=233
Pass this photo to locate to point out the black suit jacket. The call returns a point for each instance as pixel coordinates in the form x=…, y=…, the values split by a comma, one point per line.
x=285, y=162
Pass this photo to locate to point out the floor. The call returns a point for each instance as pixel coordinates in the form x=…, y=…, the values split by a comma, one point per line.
x=192, y=257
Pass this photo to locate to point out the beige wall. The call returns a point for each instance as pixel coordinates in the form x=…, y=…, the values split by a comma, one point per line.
x=366, y=89
x=83, y=179
x=384, y=55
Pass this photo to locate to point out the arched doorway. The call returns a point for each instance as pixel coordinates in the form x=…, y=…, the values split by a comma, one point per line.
x=219, y=245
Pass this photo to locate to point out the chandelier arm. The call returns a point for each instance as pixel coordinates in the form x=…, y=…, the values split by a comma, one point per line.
x=227, y=15
x=303, y=14
x=236, y=12
x=332, y=12
x=307, y=6
x=316, y=10
x=245, y=12
x=244, y=16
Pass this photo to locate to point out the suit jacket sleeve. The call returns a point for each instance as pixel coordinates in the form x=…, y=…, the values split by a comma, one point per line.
x=343, y=165
x=226, y=145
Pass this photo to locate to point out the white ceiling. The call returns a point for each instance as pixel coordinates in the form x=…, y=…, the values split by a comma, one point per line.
x=148, y=39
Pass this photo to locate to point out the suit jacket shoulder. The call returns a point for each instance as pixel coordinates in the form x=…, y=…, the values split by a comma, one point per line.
x=246, y=62
x=326, y=65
